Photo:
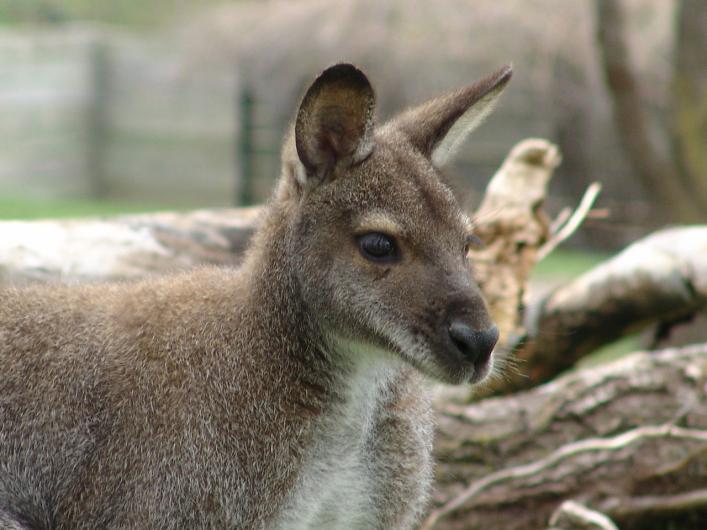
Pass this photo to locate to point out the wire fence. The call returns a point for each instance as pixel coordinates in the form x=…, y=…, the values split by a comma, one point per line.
x=86, y=112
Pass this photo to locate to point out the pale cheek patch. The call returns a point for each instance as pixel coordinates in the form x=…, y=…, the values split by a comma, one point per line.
x=466, y=222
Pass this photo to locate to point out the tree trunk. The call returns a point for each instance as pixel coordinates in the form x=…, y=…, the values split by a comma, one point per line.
x=628, y=439
x=690, y=96
x=657, y=170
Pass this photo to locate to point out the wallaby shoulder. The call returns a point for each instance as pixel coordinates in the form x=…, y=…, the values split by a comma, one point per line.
x=158, y=376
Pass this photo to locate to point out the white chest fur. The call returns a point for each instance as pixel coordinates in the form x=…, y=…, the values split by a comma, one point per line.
x=337, y=486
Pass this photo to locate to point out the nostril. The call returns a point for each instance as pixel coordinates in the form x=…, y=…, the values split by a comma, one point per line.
x=475, y=346
x=461, y=345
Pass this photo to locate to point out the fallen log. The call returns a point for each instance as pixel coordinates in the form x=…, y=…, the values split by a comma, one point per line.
x=661, y=279
x=121, y=248
x=627, y=439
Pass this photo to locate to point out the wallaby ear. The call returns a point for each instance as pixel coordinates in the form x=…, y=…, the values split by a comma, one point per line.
x=335, y=121
x=438, y=127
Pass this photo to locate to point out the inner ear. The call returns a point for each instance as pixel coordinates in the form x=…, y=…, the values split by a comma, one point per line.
x=438, y=127
x=335, y=121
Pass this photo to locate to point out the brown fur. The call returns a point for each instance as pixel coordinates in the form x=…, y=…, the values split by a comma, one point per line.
x=222, y=398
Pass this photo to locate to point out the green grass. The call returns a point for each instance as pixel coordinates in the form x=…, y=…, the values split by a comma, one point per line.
x=612, y=351
x=564, y=265
x=567, y=264
x=131, y=13
x=27, y=208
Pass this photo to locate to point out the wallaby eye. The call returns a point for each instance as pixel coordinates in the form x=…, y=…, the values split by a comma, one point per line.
x=472, y=241
x=377, y=247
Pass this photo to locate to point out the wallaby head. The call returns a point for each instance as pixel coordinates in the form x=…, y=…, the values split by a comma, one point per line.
x=375, y=237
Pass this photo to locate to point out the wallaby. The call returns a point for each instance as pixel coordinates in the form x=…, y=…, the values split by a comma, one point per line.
x=286, y=394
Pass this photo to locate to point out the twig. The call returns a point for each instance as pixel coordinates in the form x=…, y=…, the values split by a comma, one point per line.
x=625, y=507
x=560, y=220
x=577, y=512
x=559, y=455
x=574, y=221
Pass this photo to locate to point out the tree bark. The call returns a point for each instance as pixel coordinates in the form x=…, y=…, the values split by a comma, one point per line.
x=658, y=171
x=628, y=440
x=513, y=228
x=659, y=279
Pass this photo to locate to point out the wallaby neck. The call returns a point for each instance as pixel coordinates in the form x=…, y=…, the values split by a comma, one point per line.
x=275, y=305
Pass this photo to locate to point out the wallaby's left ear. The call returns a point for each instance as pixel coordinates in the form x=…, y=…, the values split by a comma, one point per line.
x=438, y=127
x=335, y=121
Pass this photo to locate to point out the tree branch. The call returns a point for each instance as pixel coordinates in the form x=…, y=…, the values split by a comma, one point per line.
x=662, y=278
x=562, y=229
x=626, y=507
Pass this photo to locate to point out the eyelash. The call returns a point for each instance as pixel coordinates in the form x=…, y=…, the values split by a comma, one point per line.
x=472, y=241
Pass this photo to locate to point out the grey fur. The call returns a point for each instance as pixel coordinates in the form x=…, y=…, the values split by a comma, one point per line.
x=285, y=394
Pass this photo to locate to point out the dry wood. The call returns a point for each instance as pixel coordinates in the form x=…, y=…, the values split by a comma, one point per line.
x=561, y=229
x=513, y=226
x=121, y=248
x=572, y=515
x=659, y=279
x=614, y=438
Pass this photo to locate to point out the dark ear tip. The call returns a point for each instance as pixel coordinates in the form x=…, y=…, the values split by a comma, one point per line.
x=503, y=75
x=344, y=72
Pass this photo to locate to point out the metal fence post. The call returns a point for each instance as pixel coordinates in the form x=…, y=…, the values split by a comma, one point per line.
x=244, y=191
x=97, y=115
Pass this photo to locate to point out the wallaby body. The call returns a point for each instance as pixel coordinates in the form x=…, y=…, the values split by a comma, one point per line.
x=285, y=394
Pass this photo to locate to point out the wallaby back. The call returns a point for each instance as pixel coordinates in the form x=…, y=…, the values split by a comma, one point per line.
x=284, y=394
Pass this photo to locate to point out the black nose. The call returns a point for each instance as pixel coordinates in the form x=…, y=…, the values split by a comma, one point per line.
x=475, y=346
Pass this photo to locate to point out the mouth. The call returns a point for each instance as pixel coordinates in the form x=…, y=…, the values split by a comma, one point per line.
x=462, y=370
x=444, y=357
x=446, y=364
x=460, y=357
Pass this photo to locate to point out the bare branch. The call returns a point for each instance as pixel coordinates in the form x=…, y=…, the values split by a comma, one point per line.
x=626, y=507
x=565, y=230
x=572, y=515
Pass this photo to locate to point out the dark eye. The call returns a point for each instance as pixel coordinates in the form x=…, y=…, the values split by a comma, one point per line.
x=472, y=241
x=377, y=247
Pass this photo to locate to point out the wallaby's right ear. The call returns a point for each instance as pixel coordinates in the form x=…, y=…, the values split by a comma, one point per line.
x=438, y=127
x=334, y=122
